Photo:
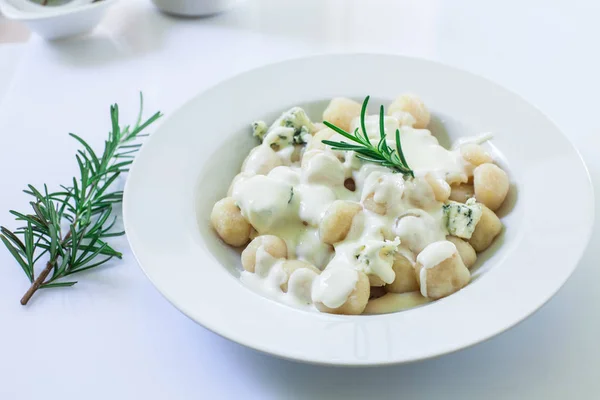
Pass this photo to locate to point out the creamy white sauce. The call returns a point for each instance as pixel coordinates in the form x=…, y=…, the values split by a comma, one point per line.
x=477, y=139
x=325, y=169
x=431, y=256
x=377, y=257
x=261, y=160
x=265, y=202
x=269, y=276
x=279, y=137
x=290, y=202
x=314, y=200
x=311, y=249
x=435, y=253
x=416, y=229
x=351, y=163
x=300, y=285
x=264, y=262
x=289, y=175
x=384, y=187
x=404, y=118
x=424, y=154
x=333, y=286
x=390, y=124
x=286, y=155
x=238, y=179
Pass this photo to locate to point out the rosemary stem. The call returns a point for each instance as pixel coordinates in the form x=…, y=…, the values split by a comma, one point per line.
x=38, y=282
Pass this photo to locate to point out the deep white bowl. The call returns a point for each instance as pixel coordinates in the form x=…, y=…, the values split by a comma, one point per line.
x=57, y=22
x=187, y=164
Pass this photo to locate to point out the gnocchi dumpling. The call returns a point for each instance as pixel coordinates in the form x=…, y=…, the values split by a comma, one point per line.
x=409, y=103
x=416, y=230
x=491, y=185
x=370, y=204
x=392, y=302
x=465, y=250
x=474, y=154
x=486, y=230
x=461, y=192
x=316, y=142
x=353, y=302
x=318, y=126
x=273, y=245
x=421, y=192
x=337, y=221
x=238, y=179
x=440, y=271
x=375, y=281
x=341, y=111
x=323, y=168
x=226, y=218
x=291, y=266
x=405, y=280
x=441, y=189
x=261, y=160
x=307, y=156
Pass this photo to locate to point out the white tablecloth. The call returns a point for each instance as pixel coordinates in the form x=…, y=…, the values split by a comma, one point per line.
x=113, y=336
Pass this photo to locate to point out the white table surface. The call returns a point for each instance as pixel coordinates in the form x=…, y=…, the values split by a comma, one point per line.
x=113, y=336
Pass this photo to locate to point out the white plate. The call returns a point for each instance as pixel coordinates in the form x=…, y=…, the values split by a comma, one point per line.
x=188, y=163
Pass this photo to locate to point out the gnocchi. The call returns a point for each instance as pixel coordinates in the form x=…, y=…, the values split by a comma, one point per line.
x=270, y=243
x=405, y=279
x=465, y=251
x=337, y=221
x=291, y=266
x=461, y=192
x=356, y=300
x=316, y=142
x=491, y=185
x=341, y=111
x=411, y=104
x=475, y=154
x=226, y=218
x=440, y=270
x=336, y=230
x=488, y=227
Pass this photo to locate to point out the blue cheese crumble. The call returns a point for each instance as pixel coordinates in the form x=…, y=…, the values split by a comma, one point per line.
x=376, y=257
x=292, y=127
x=259, y=128
x=461, y=219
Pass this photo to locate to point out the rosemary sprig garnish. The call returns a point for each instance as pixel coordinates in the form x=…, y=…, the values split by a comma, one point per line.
x=365, y=150
x=69, y=227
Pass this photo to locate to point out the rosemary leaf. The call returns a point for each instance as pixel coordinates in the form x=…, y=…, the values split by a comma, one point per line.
x=15, y=253
x=57, y=284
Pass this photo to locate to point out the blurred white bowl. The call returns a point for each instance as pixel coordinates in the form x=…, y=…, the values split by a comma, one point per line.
x=194, y=8
x=56, y=22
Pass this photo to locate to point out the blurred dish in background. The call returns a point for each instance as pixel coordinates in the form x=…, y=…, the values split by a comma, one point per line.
x=57, y=18
x=194, y=8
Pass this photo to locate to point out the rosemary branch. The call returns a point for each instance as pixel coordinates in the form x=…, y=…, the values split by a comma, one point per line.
x=70, y=227
x=381, y=154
